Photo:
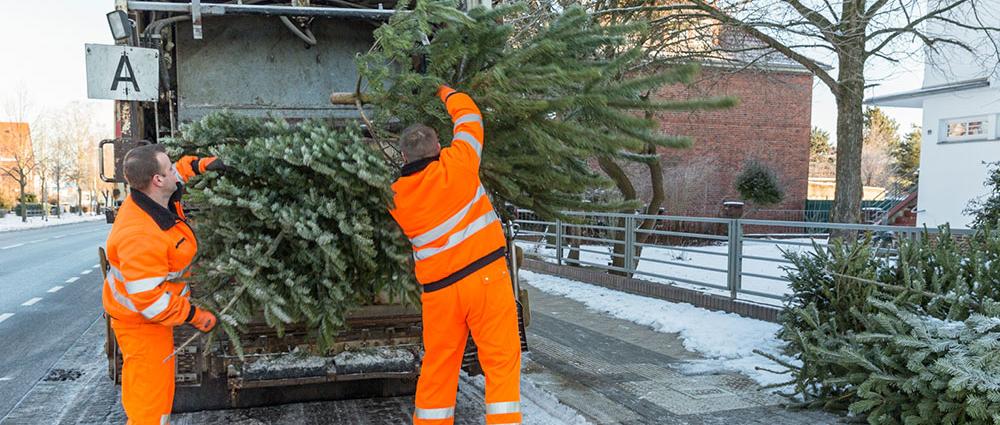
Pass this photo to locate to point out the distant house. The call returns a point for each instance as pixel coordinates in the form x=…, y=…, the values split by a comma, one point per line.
x=960, y=98
x=15, y=140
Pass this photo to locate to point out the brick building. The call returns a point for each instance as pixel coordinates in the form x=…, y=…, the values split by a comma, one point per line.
x=771, y=124
x=15, y=141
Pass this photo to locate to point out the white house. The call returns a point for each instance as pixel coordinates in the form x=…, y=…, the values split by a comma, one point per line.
x=960, y=98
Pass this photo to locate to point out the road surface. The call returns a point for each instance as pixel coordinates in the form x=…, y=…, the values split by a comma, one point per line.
x=50, y=292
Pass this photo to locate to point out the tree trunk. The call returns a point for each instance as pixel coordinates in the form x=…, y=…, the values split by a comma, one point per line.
x=625, y=186
x=79, y=200
x=573, y=244
x=24, y=201
x=58, y=197
x=45, y=200
x=656, y=181
x=617, y=175
x=850, y=125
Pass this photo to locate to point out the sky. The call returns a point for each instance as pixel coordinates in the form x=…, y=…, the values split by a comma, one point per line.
x=41, y=46
x=41, y=51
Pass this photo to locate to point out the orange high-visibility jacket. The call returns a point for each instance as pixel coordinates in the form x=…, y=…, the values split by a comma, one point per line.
x=442, y=206
x=149, y=249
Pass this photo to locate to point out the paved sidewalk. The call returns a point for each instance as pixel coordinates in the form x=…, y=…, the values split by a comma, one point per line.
x=617, y=372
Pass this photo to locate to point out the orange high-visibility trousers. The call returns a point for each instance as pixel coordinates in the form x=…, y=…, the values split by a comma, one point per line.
x=482, y=302
x=147, y=381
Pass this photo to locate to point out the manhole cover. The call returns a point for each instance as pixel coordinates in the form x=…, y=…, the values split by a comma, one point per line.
x=58, y=375
x=703, y=392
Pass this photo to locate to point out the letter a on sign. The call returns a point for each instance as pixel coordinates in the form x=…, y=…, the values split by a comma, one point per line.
x=126, y=66
x=122, y=73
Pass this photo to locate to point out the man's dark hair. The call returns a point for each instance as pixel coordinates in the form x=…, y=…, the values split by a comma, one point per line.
x=141, y=165
x=419, y=141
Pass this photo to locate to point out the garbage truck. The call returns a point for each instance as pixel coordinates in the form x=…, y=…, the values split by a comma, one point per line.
x=177, y=61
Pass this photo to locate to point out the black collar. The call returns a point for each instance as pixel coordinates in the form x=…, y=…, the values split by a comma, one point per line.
x=417, y=166
x=165, y=218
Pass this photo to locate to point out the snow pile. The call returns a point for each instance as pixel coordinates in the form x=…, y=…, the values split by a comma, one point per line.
x=726, y=339
x=294, y=364
x=13, y=222
x=381, y=359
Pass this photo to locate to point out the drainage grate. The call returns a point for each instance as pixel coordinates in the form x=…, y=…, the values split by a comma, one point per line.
x=59, y=375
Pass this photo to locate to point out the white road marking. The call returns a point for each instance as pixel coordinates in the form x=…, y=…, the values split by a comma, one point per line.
x=86, y=271
x=11, y=246
x=36, y=241
x=54, y=289
x=5, y=316
x=72, y=279
x=58, y=236
x=31, y=301
x=6, y=378
x=96, y=266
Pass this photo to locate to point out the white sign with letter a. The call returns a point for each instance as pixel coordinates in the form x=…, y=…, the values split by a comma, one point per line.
x=122, y=73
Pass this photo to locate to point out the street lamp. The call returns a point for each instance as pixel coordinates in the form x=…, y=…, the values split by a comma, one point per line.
x=121, y=26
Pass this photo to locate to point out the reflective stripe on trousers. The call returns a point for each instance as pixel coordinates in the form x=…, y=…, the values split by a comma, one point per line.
x=503, y=407
x=432, y=414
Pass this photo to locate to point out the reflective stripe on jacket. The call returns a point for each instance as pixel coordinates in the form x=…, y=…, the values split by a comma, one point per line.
x=442, y=206
x=149, y=249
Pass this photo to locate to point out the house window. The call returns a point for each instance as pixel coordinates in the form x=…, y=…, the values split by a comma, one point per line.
x=967, y=129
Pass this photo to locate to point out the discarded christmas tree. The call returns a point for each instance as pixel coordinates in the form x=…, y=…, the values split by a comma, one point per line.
x=909, y=336
x=551, y=100
x=302, y=221
x=313, y=197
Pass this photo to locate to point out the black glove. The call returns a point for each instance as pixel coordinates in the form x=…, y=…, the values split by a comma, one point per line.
x=217, y=165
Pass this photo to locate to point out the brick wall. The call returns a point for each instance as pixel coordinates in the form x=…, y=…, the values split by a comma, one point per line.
x=771, y=124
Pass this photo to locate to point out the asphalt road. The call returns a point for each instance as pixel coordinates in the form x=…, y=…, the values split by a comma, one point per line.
x=50, y=292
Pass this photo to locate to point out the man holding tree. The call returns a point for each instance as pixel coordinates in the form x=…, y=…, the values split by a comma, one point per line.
x=149, y=250
x=459, y=249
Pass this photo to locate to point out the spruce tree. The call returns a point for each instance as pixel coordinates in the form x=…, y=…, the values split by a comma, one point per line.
x=758, y=184
x=905, y=337
x=550, y=100
x=316, y=199
x=986, y=210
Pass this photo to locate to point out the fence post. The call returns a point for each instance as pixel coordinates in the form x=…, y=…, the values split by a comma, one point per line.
x=735, y=277
x=629, y=244
x=559, y=242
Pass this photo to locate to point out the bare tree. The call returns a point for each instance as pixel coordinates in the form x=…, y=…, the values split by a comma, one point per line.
x=18, y=162
x=45, y=155
x=77, y=141
x=848, y=33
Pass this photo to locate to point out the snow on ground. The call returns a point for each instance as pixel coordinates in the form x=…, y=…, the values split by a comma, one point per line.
x=538, y=406
x=13, y=222
x=712, y=256
x=726, y=340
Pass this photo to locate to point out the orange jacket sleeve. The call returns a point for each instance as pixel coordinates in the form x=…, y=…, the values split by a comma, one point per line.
x=189, y=166
x=467, y=142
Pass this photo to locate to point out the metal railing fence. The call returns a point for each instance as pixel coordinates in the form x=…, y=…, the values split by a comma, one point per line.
x=743, y=258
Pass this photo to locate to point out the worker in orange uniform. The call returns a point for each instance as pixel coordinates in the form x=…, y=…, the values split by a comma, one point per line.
x=149, y=250
x=459, y=251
